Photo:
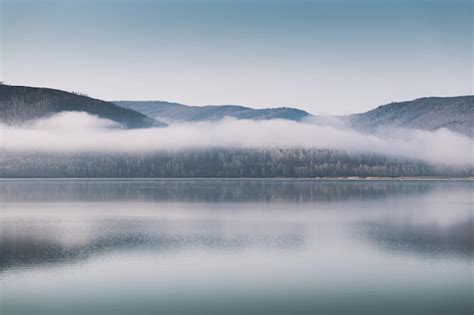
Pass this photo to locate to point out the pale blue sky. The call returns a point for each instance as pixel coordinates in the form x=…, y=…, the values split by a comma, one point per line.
x=330, y=57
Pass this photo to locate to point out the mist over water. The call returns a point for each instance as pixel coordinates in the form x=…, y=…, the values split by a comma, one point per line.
x=80, y=132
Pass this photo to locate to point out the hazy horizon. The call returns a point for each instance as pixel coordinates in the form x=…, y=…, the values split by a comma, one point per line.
x=325, y=57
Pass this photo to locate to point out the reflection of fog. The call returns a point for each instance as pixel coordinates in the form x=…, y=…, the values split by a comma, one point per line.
x=65, y=221
x=214, y=190
x=20, y=249
x=422, y=239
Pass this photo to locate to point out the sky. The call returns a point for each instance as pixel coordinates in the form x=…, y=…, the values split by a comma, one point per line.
x=326, y=57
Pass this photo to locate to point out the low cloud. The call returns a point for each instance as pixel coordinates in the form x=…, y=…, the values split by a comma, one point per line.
x=81, y=132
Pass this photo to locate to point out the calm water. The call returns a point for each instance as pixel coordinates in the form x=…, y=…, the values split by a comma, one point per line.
x=235, y=247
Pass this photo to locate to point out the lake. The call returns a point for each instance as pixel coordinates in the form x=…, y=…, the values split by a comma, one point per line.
x=236, y=246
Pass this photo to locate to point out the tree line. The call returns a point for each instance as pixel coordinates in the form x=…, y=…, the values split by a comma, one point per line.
x=221, y=162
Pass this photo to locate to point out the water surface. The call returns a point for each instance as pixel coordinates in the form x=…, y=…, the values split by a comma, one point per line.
x=235, y=247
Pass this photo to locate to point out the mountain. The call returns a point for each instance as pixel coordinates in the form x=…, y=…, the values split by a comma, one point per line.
x=20, y=104
x=175, y=112
x=428, y=113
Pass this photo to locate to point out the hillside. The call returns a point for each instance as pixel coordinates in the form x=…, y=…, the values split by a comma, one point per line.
x=221, y=162
x=174, y=112
x=20, y=104
x=428, y=113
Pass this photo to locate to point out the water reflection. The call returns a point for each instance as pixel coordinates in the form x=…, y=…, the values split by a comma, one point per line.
x=212, y=190
x=454, y=240
x=235, y=246
x=22, y=248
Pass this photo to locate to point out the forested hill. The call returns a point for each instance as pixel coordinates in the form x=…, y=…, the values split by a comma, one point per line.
x=222, y=163
x=428, y=113
x=20, y=104
x=175, y=112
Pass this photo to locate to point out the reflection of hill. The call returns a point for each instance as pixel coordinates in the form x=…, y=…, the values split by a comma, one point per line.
x=225, y=190
x=427, y=240
x=21, y=252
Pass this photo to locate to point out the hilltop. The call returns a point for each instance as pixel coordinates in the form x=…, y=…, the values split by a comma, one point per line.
x=20, y=104
x=428, y=113
x=175, y=112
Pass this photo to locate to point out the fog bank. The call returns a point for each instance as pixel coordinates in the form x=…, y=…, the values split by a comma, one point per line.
x=81, y=132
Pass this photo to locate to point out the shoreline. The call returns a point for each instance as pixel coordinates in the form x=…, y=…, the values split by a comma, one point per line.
x=349, y=178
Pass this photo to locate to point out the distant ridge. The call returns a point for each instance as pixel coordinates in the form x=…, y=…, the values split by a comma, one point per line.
x=20, y=104
x=427, y=113
x=175, y=112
